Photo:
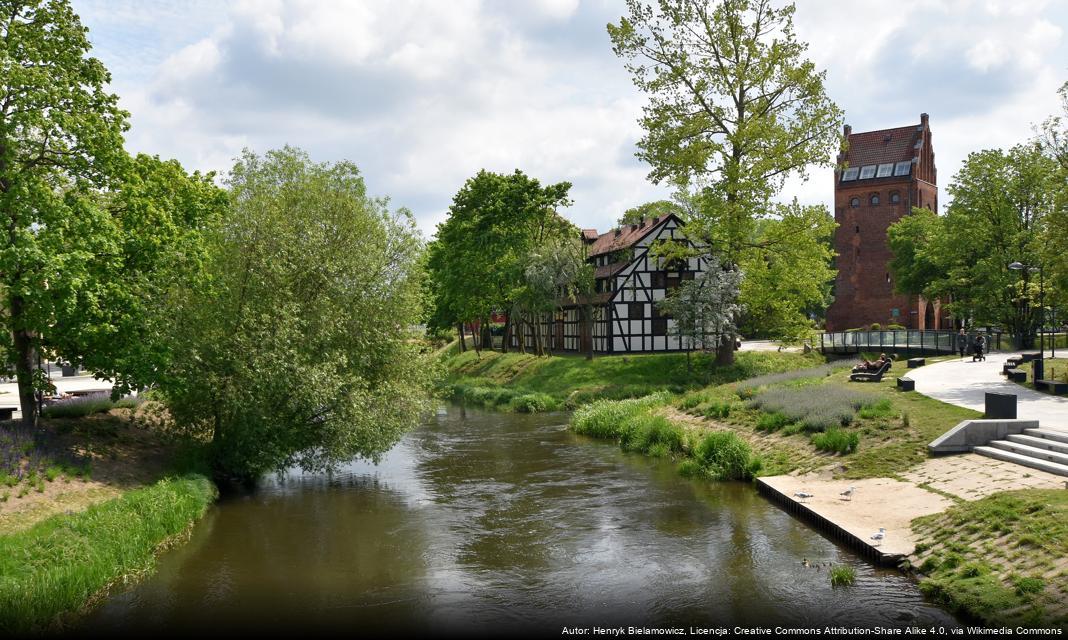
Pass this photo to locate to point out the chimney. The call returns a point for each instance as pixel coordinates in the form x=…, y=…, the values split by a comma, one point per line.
x=847, y=130
x=923, y=120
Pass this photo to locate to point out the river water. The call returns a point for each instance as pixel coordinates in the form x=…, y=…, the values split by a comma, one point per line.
x=487, y=522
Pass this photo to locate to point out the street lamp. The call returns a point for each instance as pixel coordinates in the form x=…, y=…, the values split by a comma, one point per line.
x=1019, y=266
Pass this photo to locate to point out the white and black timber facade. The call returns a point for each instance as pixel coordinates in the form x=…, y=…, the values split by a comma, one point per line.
x=629, y=283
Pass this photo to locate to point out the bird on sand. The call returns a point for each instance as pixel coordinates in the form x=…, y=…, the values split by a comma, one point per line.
x=804, y=562
x=803, y=495
x=878, y=537
x=848, y=493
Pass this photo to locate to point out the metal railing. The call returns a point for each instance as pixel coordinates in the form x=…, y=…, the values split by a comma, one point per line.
x=899, y=341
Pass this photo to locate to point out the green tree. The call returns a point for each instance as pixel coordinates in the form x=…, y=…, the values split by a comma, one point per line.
x=301, y=351
x=60, y=139
x=553, y=272
x=477, y=259
x=650, y=210
x=119, y=327
x=734, y=110
x=1000, y=212
x=790, y=278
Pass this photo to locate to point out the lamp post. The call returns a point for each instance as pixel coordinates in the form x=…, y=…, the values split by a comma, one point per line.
x=1018, y=266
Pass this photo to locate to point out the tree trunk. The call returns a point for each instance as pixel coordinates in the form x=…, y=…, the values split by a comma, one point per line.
x=463, y=340
x=507, y=338
x=23, y=344
x=725, y=351
x=539, y=348
x=487, y=335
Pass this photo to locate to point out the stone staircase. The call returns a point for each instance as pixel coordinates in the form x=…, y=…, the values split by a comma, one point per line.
x=1042, y=449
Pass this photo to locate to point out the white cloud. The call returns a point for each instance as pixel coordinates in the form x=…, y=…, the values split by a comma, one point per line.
x=423, y=94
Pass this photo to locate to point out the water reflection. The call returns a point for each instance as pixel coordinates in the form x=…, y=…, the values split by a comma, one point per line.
x=478, y=522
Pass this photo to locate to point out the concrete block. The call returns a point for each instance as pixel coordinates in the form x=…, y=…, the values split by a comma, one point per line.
x=976, y=433
x=1000, y=406
x=906, y=384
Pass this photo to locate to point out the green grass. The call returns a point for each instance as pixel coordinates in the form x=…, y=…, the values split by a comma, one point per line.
x=836, y=440
x=573, y=381
x=999, y=583
x=842, y=575
x=59, y=564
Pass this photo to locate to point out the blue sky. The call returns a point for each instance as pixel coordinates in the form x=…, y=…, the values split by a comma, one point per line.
x=421, y=95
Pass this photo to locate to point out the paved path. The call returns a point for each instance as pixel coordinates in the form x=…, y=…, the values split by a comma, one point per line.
x=964, y=383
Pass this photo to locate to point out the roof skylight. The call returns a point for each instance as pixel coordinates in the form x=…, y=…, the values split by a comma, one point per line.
x=850, y=174
x=885, y=170
x=867, y=172
x=903, y=168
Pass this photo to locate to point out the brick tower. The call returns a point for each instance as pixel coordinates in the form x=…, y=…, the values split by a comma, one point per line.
x=881, y=176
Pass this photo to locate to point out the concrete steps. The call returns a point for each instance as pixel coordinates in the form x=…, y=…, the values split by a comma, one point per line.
x=1041, y=449
x=1040, y=443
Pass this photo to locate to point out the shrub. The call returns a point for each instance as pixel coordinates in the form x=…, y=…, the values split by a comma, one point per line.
x=650, y=434
x=725, y=456
x=772, y=421
x=843, y=575
x=836, y=441
x=831, y=407
x=605, y=418
x=717, y=410
x=875, y=326
x=78, y=407
x=533, y=403
x=880, y=409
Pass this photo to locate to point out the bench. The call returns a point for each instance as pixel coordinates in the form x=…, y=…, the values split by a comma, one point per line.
x=1056, y=387
x=1016, y=375
x=906, y=384
x=871, y=376
x=8, y=413
x=916, y=362
x=78, y=393
x=1030, y=355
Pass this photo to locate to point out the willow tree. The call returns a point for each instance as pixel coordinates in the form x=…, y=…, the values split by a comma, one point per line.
x=734, y=110
x=300, y=348
x=60, y=140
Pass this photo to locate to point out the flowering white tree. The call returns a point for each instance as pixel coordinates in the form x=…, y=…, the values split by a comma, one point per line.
x=705, y=308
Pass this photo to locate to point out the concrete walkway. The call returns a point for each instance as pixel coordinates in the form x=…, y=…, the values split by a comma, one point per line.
x=964, y=383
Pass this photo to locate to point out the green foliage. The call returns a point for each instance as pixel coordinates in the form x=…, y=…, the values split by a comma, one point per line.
x=1026, y=586
x=772, y=421
x=836, y=440
x=502, y=398
x=57, y=565
x=842, y=575
x=717, y=409
x=650, y=210
x=650, y=434
x=301, y=351
x=832, y=407
x=608, y=418
x=705, y=308
x=881, y=409
x=746, y=388
x=724, y=456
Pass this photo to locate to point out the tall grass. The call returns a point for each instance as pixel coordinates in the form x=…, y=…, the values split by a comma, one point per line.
x=843, y=575
x=60, y=563
x=502, y=398
x=836, y=440
x=722, y=455
x=606, y=418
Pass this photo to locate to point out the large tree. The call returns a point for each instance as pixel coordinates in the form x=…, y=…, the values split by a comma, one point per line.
x=477, y=260
x=60, y=139
x=734, y=110
x=300, y=348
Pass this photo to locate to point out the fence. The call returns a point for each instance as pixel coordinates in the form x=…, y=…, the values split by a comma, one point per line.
x=904, y=341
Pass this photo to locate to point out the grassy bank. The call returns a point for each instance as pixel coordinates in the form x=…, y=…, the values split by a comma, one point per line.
x=86, y=502
x=1054, y=369
x=521, y=382
x=1002, y=559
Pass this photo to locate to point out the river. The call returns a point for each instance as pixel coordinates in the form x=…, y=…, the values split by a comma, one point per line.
x=489, y=522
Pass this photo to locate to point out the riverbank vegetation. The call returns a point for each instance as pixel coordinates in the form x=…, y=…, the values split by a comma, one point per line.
x=1002, y=559
x=571, y=381
x=62, y=562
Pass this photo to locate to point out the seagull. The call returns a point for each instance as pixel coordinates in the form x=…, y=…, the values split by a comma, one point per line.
x=803, y=495
x=804, y=562
x=878, y=537
x=848, y=493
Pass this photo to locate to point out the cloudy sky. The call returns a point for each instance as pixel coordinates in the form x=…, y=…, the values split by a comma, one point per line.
x=421, y=95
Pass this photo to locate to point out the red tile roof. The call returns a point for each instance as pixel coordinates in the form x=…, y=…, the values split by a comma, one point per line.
x=629, y=235
x=883, y=146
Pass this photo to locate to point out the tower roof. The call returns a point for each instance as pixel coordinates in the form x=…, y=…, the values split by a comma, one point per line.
x=883, y=146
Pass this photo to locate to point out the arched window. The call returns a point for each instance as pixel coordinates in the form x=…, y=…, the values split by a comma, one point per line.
x=874, y=199
x=854, y=202
x=895, y=197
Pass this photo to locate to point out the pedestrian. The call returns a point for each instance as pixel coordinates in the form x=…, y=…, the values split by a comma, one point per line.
x=962, y=342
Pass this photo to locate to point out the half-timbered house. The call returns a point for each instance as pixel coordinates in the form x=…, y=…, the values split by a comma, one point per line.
x=629, y=283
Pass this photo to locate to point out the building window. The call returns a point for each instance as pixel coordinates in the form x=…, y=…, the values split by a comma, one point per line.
x=850, y=174
x=659, y=322
x=895, y=197
x=658, y=280
x=885, y=170
x=636, y=311
x=672, y=281
x=874, y=199
x=858, y=229
x=867, y=172
x=903, y=168
x=854, y=202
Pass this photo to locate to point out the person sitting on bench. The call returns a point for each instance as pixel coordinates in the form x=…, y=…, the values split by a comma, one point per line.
x=871, y=366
